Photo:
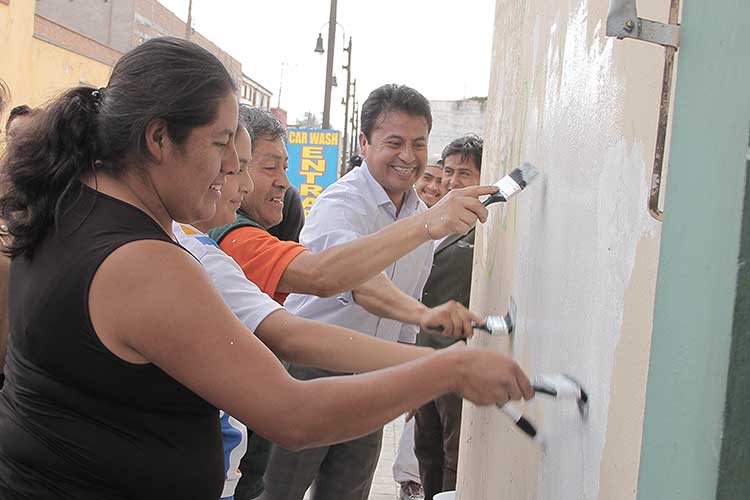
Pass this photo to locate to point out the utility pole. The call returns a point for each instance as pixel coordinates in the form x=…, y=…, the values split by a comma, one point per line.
x=355, y=132
x=329, y=66
x=189, y=25
x=345, y=142
x=353, y=148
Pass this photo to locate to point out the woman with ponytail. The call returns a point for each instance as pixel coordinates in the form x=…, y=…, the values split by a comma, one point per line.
x=121, y=350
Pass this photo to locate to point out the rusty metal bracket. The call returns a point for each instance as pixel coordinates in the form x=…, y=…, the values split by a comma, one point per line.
x=623, y=22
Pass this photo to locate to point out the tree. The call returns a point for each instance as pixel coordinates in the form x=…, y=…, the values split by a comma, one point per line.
x=310, y=120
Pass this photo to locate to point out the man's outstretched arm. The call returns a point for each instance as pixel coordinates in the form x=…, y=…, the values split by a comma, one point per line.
x=345, y=266
x=381, y=297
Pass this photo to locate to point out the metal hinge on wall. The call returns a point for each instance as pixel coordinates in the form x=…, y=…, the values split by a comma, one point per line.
x=623, y=22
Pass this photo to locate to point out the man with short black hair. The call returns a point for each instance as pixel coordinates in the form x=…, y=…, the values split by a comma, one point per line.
x=396, y=122
x=438, y=423
x=429, y=186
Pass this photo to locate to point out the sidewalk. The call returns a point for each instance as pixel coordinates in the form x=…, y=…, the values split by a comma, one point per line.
x=383, y=485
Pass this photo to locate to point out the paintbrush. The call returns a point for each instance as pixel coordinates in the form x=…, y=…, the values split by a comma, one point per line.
x=500, y=324
x=494, y=324
x=558, y=385
x=563, y=386
x=513, y=183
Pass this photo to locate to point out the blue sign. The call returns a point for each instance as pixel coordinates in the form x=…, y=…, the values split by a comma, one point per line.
x=313, y=162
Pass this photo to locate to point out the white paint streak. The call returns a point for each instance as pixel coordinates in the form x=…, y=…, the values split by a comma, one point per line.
x=575, y=260
x=582, y=108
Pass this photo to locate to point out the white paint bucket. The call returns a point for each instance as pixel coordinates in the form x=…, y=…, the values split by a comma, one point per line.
x=446, y=495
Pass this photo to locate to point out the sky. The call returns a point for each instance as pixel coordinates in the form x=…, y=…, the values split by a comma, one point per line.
x=442, y=48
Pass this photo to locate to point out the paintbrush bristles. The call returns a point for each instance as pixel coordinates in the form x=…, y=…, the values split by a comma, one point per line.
x=528, y=172
x=496, y=325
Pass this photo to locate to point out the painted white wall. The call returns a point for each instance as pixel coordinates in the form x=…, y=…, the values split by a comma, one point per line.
x=577, y=250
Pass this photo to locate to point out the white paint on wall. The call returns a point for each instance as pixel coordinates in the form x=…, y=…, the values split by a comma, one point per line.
x=570, y=249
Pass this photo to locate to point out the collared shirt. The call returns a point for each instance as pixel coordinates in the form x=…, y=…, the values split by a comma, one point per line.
x=355, y=206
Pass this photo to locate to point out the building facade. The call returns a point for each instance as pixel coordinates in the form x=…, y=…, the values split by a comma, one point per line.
x=254, y=94
x=41, y=57
x=452, y=119
x=51, y=45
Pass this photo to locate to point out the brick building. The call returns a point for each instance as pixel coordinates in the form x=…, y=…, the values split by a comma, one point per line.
x=105, y=29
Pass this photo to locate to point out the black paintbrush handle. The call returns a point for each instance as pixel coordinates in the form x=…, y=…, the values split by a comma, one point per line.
x=474, y=324
x=543, y=389
x=527, y=427
x=519, y=420
x=494, y=198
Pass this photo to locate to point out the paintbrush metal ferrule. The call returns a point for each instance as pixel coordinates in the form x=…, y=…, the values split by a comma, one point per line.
x=508, y=186
x=558, y=385
x=495, y=325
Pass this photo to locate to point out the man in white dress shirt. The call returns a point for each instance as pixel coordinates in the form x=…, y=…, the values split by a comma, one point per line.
x=396, y=122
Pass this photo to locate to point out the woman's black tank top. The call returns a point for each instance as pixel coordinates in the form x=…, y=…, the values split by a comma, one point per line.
x=76, y=421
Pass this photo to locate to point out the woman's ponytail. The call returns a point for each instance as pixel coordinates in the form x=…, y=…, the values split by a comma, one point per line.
x=45, y=161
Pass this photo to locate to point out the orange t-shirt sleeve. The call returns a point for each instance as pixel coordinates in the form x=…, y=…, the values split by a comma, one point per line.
x=262, y=257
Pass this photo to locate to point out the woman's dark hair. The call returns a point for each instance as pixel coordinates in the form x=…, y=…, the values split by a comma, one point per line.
x=21, y=110
x=85, y=130
x=393, y=97
x=468, y=146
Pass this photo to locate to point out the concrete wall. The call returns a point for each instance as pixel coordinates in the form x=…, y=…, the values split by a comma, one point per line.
x=452, y=119
x=578, y=250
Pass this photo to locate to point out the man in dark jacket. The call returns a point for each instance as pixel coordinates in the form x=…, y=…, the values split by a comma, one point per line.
x=438, y=422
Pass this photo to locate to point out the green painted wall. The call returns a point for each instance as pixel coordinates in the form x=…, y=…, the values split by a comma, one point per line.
x=696, y=442
x=734, y=481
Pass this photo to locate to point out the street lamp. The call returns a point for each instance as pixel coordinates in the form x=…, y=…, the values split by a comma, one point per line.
x=329, y=64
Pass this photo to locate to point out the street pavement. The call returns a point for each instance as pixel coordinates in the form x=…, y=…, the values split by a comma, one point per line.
x=383, y=485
